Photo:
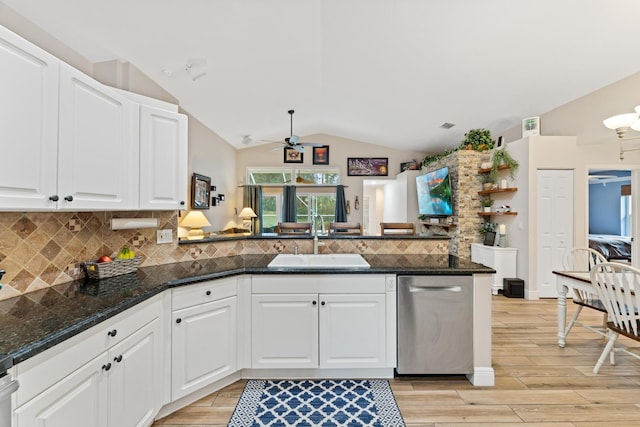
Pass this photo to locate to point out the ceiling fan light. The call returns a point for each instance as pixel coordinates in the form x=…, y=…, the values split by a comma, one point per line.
x=620, y=121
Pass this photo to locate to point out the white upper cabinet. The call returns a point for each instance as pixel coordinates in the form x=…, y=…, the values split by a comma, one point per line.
x=163, y=159
x=71, y=143
x=98, y=150
x=28, y=124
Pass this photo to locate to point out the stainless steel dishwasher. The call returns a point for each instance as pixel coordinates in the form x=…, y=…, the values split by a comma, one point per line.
x=435, y=325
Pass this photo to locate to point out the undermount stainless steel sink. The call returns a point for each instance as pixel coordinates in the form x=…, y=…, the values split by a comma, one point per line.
x=319, y=261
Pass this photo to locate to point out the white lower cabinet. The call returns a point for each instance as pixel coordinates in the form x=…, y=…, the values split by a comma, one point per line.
x=79, y=400
x=203, y=335
x=503, y=260
x=135, y=378
x=317, y=330
x=352, y=331
x=284, y=331
x=120, y=386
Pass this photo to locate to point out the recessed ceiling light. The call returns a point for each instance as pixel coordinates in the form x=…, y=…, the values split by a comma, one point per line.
x=447, y=125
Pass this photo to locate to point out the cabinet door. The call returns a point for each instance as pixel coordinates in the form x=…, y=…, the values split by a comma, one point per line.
x=352, y=331
x=203, y=345
x=79, y=400
x=284, y=331
x=28, y=124
x=98, y=146
x=163, y=159
x=135, y=378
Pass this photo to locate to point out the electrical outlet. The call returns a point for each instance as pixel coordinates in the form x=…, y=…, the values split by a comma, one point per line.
x=164, y=236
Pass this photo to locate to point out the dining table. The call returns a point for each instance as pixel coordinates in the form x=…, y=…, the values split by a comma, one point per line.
x=566, y=280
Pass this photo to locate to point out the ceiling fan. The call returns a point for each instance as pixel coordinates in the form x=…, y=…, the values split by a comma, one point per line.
x=293, y=141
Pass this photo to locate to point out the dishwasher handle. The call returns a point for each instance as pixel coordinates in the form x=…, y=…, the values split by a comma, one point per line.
x=418, y=288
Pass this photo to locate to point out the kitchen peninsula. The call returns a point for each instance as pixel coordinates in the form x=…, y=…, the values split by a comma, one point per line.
x=137, y=329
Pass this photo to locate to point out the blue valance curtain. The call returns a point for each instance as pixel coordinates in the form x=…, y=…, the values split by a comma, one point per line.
x=289, y=211
x=252, y=197
x=341, y=205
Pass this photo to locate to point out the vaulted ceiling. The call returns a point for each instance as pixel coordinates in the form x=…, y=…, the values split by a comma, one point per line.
x=388, y=72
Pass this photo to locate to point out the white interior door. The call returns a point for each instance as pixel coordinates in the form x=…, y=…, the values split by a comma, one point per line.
x=554, y=201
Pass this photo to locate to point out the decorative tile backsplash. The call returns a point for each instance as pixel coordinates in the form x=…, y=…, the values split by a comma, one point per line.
x=43, y=249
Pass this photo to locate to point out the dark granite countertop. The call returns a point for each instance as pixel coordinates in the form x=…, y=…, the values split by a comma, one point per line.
x=39, y=320
x=243, y=236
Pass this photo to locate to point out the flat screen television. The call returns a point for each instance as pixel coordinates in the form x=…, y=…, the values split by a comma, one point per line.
x=434, y=193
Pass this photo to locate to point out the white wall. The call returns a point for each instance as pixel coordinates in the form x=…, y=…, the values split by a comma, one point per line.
x=339, y=150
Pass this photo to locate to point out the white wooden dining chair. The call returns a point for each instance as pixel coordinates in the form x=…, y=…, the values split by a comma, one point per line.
x=618, y=287
x=584, y=259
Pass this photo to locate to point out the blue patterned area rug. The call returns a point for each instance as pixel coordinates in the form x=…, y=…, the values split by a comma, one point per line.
x=326, y=403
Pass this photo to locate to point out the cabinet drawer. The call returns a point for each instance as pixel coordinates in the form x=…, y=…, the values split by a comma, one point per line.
x=51, y=366
x=318, y=283
x=212, y=290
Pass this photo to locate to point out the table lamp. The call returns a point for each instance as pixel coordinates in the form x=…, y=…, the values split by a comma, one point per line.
x=246, y=214
x=195, y=220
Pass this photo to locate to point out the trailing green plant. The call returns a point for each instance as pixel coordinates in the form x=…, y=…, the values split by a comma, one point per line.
x=478, y=140
x=435, y=157
x=486, y=203
x=475, y=139
x=502, y=156
x=487, y=226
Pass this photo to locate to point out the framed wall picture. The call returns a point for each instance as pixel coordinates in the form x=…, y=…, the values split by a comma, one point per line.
x=293, y=156
x=321, y=155
x=489, y=238
x=367, y=166
x=531, y=126
x=200, y=191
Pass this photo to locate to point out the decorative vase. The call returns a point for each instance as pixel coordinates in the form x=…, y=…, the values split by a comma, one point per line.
x=486, y=209
x=487, y=186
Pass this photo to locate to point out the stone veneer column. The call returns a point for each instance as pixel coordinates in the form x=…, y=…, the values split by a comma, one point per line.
x=465, y=184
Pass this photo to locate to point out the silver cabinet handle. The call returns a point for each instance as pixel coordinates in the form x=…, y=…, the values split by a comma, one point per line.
x=414, y=288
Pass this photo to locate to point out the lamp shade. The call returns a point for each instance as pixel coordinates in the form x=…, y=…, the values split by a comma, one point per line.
x=247, y=213
x=620, y=121
x=195, y=220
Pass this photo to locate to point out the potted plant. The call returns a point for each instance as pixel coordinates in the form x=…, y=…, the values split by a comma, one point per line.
x=486, y=204
x=488, y=227
x=477, y=139
x=487, y=182
x=503, y=157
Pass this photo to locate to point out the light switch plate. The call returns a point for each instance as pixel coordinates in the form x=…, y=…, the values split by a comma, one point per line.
x=164, y=236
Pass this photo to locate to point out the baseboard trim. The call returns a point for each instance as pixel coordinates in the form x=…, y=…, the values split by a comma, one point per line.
x=482, y=377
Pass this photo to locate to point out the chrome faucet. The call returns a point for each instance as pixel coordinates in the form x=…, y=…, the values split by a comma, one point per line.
x=316, y=242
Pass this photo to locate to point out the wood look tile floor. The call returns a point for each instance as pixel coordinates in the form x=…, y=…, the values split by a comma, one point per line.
x=538, y=384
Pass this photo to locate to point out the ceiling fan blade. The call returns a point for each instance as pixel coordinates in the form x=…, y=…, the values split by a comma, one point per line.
x=310, y=144
x=275, y=142
x=293, y=139
x=298, y=148
x=278, y=148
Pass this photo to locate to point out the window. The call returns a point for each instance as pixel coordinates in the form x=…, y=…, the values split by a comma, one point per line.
x=625, y=216
x=271, y=211
x=266, y=176
x=318, y=176
x=318, y=209
x=316, y=206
